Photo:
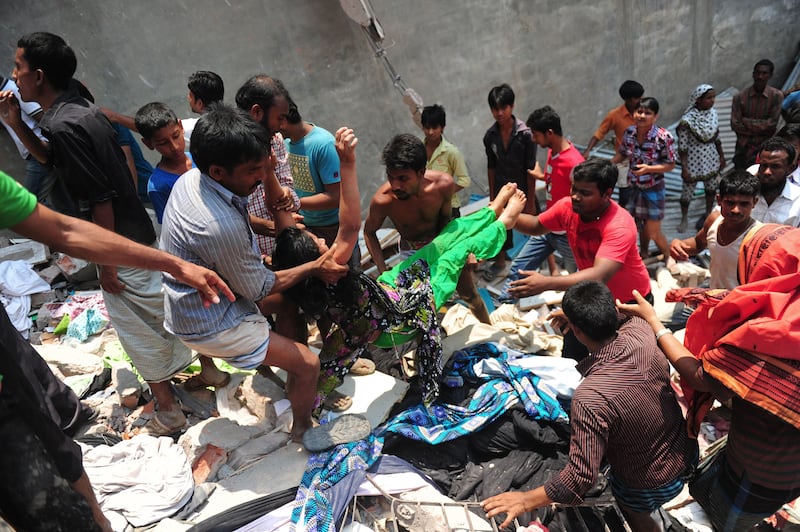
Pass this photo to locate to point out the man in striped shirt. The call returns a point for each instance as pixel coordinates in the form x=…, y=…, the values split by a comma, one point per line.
x=206, y=223
x=754, y=114
x=624, y=411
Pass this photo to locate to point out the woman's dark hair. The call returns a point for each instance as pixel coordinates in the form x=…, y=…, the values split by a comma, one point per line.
x=294, y=247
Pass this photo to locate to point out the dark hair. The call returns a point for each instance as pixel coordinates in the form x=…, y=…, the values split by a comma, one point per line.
x=738, y=182
x=779, y=144
x=153, y=116
x=590, y=307
x=294, y=247
x=262, y=90
x=433, y=116
x=52, y=55
x=767, y=63
x=789, y=132
x=405, y=151
x=501, y=96
x=649, y=103
x=206, y=86
x=596, y=170
x=226, y=137
x=630, y=89
x=293, y=116
x=543, y=119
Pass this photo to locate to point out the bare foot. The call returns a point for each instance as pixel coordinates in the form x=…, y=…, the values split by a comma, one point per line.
x=516, y=204
x=499, y=201
x=299, y=428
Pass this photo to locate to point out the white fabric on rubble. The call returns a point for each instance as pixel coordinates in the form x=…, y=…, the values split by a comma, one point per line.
x=556, y=372
x=145, y=479
x=17, y=282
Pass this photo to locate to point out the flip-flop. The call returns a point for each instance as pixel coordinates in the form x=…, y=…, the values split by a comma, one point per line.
x=362, y=366
x=337, y=402
x=346, y=428
x=156, y=427
x=197, y=382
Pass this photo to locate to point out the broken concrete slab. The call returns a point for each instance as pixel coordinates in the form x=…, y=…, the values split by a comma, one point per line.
x=68, y=360
x=207, y=464
x=259, y=394
x=76, y=270
x=224, y=433
x=50, y=273
x=30, y=251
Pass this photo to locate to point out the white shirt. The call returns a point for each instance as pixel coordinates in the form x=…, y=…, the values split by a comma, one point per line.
x=29, y=109
x=785, y=209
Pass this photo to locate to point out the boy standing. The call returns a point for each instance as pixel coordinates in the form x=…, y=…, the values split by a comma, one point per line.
x=162, y=131
x=443, y=156
x=510, y=153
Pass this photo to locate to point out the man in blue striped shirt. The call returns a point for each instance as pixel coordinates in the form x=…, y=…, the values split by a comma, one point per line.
x=206, y=223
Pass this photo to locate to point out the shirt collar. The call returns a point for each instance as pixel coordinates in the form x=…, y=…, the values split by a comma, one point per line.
x=238, y=202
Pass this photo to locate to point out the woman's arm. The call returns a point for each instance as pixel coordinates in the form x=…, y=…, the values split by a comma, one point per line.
x=349, y=197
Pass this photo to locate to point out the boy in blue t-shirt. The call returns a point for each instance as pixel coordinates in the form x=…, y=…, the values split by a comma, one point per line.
x=162, y=131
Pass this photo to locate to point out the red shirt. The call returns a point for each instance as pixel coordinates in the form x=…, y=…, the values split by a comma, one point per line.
x=612, y=237
x=557, y=173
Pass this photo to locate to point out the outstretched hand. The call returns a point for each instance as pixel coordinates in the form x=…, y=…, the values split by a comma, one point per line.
x=641, y=308
x=346, y=142
x=327, y=269
x=207, y=283
x=530, y=283
x=511, y=503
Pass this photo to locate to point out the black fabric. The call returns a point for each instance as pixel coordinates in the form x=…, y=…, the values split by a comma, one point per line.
x=87, y=156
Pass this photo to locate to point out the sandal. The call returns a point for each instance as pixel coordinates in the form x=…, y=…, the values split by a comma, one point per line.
x=337, y=402
x=156, y=427
x=198, y=382
x=362, y=366
x=344, y=429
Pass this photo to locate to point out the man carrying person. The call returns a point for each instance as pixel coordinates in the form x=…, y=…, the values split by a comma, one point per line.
x=619, y=119
x=442, y=155
x=601, y=235
x=562, y=157
x=418, y=202
x=206, y=223
x=510, y=153
x=44, y=484
x=724, y=229
x=623, y=412
x=82, y=146
x=755, y=112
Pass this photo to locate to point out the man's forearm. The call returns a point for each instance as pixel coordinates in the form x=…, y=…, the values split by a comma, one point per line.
x=262, y=226
x=375, y=251
x=320, y=201
x=36, y=146
x=287, y=278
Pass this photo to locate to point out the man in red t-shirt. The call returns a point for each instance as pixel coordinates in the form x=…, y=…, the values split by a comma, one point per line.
x=602, y=237
x=545, y=125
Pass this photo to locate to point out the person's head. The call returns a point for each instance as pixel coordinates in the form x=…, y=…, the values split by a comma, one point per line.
x=703, y=97
x=292, y=127
x=545, y=125
x=646, y=113
x=405, y=158
x=737, y=195
x=433, y=122
x=501, y=102
x=791, y=134
x=231, y=148
x=775, y=161
x=161, y=130
x=42, y=58
x=762, y=72
x=593, y=184
x=631, y=91
x=266, y=100
x=590, y=309
x=205, y=88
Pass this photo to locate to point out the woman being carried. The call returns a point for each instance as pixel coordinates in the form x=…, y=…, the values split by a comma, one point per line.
x=404, y=298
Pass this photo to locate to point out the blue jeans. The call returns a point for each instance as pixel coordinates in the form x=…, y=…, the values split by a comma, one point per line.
x=533, y=253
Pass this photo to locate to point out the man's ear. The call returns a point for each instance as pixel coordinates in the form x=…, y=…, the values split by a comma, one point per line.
x=256, y=112
x=216, y=172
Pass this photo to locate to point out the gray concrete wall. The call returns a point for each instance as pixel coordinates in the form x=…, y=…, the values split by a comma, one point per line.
x=569, y=54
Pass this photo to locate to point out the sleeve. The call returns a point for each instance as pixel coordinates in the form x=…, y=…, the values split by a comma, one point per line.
x=587, y=447
x=736, y=115
x=29, y=108
x=604, y=127
x=776, y=103
x=683, y=137
x=327, y=162
x=668, y=153
x=283, y=171
x=625, y=146
x=491, y=156
x=17, y=202
x=124, y=135
x=158, y=196
x=553, y=218
x=530, y=151
x=617, y=239
x=459, y=168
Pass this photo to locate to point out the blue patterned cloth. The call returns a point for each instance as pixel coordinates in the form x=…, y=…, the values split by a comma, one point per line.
x=503, y=387
x=312, y=510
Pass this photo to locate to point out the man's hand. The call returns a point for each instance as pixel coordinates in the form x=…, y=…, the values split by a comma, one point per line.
x=206, y=282
x=512, y=503
x=285, y=201
x=559, y=320
x=109, y=280
x=530, y=283
x=641, y=308
x=346, y=142
x=10, y=111
x=678, y=250
x=641, y=170
x=327, y=269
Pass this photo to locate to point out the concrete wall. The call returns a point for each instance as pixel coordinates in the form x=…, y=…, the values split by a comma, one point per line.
x=571, y=54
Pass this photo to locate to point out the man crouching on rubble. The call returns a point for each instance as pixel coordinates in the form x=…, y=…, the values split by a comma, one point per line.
x=624, y=411
x=206, y=223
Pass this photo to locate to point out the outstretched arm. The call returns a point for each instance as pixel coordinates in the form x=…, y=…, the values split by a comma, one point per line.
x=88, y=241
x=349, y=197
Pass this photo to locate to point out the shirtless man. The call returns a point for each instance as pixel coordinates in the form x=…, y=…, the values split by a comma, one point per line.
x=418, y=202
